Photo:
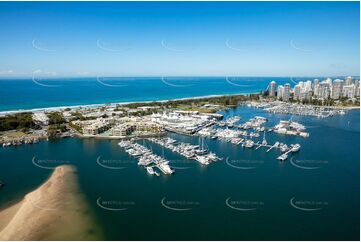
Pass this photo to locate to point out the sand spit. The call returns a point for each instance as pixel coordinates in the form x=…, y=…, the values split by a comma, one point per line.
x=55, y=211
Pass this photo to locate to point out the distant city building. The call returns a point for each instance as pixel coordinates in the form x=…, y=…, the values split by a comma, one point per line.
x=336, y=92
x=306, y=90
x=297, y=92
x=302, y=91
x=348, y=81
x=315, y=87
x=306, y=95
x=279, y=92
x=302, y=84
x=329, y=81
x=286, y=92
x=308, y=85
x=272, y=89
x=324, y=90
x=348, y=91
x=357, y=88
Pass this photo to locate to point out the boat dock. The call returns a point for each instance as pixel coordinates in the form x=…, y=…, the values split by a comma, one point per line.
x=199, y=152
x=147, y=158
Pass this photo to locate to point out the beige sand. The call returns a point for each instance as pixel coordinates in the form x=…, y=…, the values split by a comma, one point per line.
x=55, y=211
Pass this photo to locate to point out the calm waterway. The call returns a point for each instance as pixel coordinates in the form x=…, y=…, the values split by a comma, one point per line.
x=252, y=197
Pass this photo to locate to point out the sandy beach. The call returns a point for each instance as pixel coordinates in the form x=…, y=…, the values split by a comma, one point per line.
x=54, y=211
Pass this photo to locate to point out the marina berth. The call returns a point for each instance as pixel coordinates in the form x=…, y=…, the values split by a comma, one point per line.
x=231, y=121
x=290, y=128
x=248, y=144
x=199, y=152
x=295, y=147
x=147, y=158
x=282, y=157
x=236, y=141
x=254, y=123
x=241, y=137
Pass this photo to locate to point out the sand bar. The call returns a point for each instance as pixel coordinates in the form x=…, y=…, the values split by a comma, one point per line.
x=55, y=211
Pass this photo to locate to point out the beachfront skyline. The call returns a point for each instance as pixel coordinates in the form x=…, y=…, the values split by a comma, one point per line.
x=180, y=38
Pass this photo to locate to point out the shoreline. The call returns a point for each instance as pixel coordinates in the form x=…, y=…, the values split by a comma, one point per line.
x=113, y=104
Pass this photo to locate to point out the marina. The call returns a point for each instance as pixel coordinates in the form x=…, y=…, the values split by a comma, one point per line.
x=290, y=128
x=20, y=141
x=238, y=134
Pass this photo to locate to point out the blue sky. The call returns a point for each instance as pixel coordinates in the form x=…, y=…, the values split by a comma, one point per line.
x=180, y=38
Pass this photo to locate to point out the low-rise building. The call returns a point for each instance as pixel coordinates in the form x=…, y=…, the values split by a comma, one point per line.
x=94, y=127
x=122, y=130
x=40, y=118
x=147, y=127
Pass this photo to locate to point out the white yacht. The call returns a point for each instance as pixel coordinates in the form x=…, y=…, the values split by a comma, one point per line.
x=284, y=148
x=222, y=123
x=213, y=157
x=202, y=159
x=264, y=141
x=282, y=157
x=248, y=144
x=236, y=141
x=150, y=170
x=124, y=144
x=295, y=147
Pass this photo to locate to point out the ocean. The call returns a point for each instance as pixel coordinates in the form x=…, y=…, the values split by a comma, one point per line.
x=25, y=94
x=249, y=195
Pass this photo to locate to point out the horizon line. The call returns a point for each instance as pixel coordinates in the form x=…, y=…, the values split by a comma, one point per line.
x=179, y=76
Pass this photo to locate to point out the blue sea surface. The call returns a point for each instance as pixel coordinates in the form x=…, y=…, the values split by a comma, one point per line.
x=17, y=94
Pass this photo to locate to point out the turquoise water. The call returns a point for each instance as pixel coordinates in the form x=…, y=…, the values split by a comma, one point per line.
x=16, y=94
x=266, y=190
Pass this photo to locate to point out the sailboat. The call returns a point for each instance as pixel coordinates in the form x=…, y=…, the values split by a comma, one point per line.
x=264, y=141
x=202, y=147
